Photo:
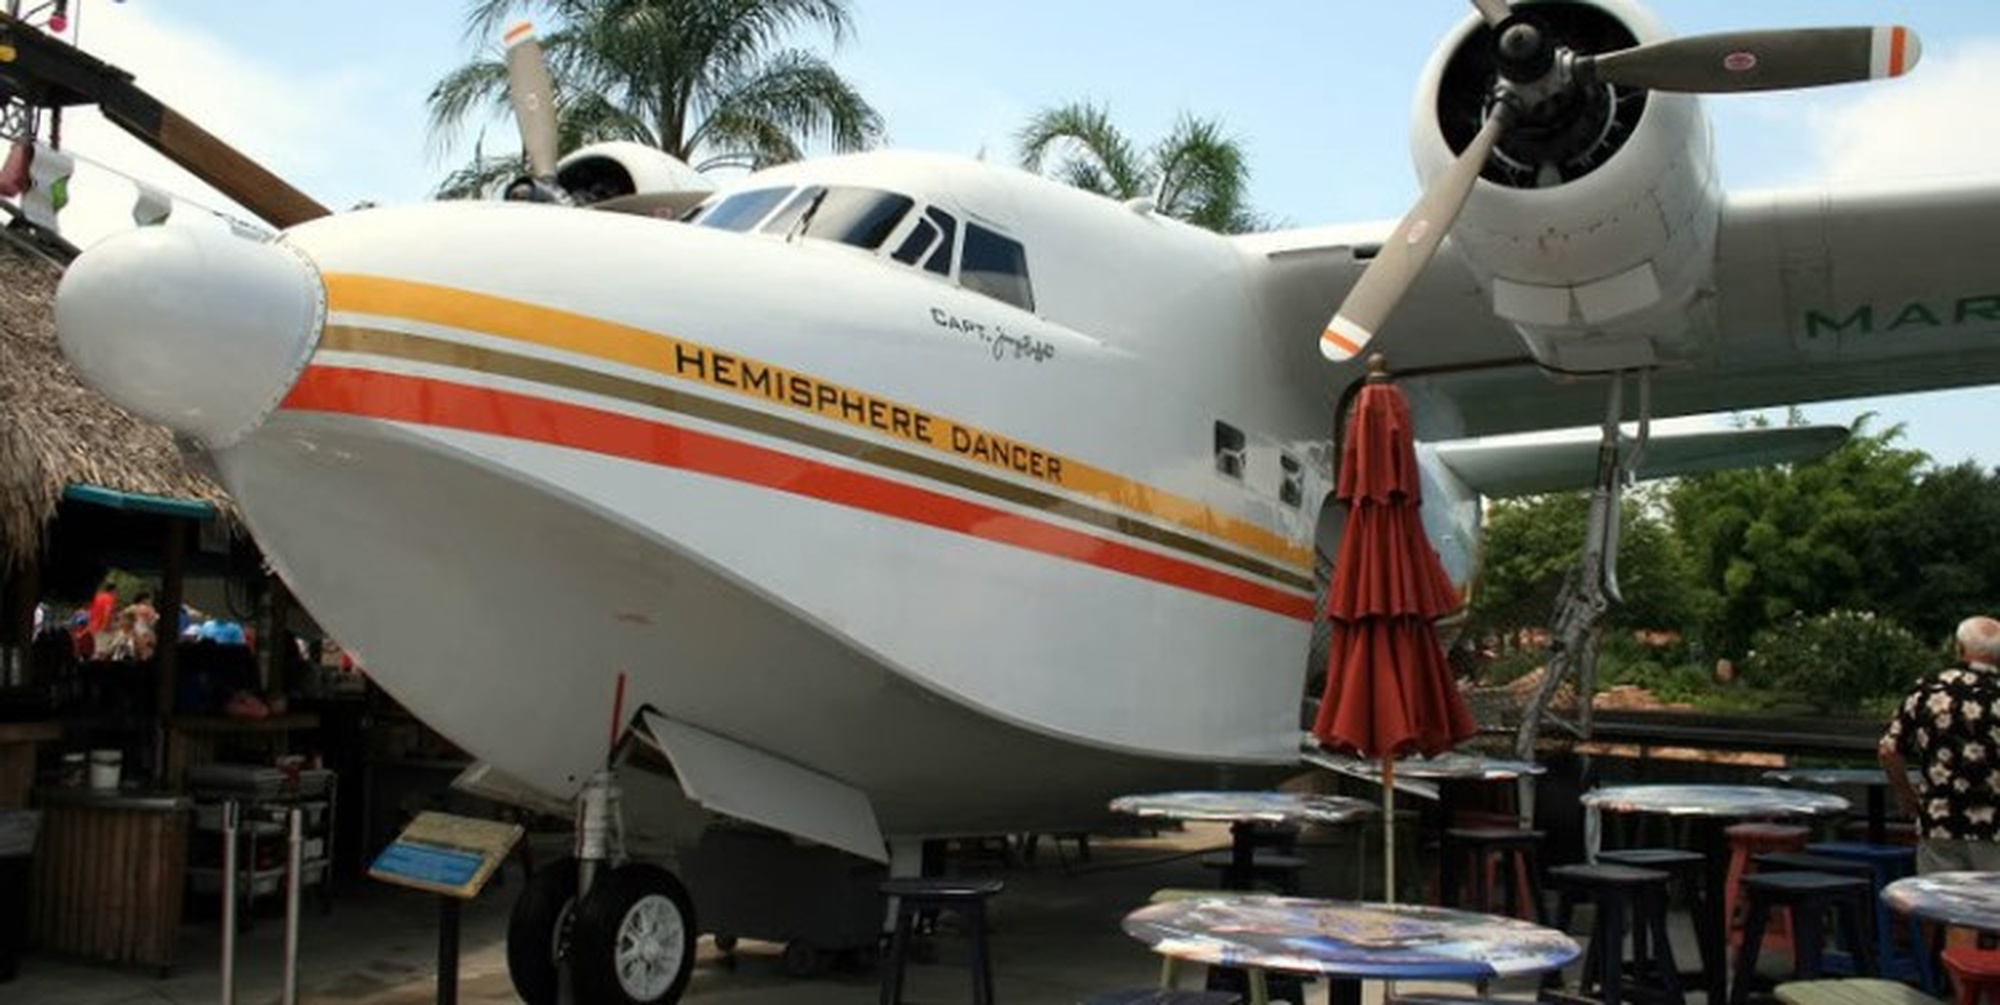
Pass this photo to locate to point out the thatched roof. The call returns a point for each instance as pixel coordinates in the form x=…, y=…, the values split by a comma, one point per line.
x=54, y=431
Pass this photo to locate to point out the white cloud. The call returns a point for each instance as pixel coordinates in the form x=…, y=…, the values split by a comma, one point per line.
x=1933, y=122
x=303, y=124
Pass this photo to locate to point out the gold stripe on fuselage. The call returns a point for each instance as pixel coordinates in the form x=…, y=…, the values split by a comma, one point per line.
x=664, y=354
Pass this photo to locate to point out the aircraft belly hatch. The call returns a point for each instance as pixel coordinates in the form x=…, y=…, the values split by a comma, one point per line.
x=739, y=781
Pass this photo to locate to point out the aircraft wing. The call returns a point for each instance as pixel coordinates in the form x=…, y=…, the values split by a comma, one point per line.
x=1816, y=294
x=1528, y=467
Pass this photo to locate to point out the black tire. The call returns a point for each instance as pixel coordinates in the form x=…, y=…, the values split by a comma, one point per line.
x=643, y=913
x=538, y=932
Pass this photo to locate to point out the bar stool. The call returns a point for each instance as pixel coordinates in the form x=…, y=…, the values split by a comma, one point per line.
x=1686, y=869
x=917, y=894
x=1887, y=863
x=1624, y=896
x=1511, y=850
x=1809, y=895
x=1746, y=841
x=1975, y=974
x=1805, y=861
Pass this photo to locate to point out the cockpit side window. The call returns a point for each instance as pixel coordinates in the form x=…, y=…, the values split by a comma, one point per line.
x=742, y=211
x=996, y=266
x=947, y=225
x=922, y=236
x=862, y=217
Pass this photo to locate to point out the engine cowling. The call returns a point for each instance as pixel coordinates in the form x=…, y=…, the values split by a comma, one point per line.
x=631, y=178
x=1593, y=226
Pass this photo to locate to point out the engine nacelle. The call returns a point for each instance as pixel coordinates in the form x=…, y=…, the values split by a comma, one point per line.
x=631, y=178
x=1593, y=226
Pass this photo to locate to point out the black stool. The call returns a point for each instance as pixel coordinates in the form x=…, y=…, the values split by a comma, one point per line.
x=1625, y=896
x=1278, y=871
x=1515, y=848
x=916, y=894
x=1809, y=895
x=1688, y=870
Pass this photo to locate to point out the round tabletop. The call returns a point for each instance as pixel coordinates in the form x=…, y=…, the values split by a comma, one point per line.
x=1245, y=806
x=1829, y=776
x=1349, y=938
x=1971, y=899
x=1714, y=800
x=1448, y=765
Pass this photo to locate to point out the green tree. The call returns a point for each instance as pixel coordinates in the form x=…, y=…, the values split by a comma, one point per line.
x=1794, y=538
x=708, y=82
x=1532, y=543
x=1931, y=561
x=1197, y=173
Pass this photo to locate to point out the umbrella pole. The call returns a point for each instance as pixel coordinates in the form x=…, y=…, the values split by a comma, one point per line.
x=1389, y=829
x=1389, y=846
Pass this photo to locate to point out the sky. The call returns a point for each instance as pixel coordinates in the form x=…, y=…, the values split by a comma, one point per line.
x=331, y=97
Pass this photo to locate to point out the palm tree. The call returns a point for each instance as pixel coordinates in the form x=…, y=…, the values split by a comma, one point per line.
x=1196, y=173
x=705, y=80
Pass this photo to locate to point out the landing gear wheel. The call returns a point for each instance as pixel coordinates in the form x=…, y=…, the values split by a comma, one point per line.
x=803, y=959
x=538, y=932
x=633, y=941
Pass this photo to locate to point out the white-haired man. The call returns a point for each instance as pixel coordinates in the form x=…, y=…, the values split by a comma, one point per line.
x=1948, y=730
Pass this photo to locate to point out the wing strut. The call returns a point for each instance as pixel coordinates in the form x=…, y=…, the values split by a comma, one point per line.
x=1591, y=587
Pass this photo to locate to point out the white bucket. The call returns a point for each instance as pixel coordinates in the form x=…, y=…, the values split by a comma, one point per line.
x=104, y=768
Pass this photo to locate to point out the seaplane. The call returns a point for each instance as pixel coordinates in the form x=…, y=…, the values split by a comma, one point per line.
x=883, y=497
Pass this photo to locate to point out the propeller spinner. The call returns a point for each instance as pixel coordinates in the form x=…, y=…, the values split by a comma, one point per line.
x=1537, y=75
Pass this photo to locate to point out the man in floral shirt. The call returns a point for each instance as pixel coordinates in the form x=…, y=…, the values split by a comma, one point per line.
x=1949, y=730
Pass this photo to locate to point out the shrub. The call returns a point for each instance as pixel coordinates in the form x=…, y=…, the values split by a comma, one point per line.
x=1840, y=660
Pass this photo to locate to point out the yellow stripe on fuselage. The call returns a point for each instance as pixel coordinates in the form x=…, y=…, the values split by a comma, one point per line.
x=667, y=355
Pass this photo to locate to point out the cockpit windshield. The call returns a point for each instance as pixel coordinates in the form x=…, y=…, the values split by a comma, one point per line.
x=742, y=211
x=927, y=238
x=862, y=217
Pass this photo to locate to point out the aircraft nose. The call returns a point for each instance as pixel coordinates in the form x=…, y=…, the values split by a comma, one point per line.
x=192, y=327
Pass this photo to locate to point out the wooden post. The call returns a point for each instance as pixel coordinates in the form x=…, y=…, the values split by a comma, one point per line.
x=167, y=639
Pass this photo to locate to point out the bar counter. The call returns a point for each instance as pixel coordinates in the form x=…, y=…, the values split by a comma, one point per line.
x=109, y=874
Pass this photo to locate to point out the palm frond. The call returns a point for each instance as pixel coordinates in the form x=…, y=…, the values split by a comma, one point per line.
x=1087, y=145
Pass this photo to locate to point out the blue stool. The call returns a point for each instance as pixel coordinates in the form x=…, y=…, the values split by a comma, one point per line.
x=1890, y=862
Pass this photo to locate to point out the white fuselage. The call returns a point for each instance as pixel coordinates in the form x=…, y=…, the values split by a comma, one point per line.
x=974, y=562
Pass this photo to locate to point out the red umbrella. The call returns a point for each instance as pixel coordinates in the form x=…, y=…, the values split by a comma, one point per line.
x=1389, y=691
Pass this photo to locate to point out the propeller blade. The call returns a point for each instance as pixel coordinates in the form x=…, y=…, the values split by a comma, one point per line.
x=1760, y=60
x=533, y=93
x=1494, y=11
x=1411, y=246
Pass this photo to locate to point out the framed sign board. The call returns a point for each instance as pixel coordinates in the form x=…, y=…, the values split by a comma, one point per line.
x=441, y=853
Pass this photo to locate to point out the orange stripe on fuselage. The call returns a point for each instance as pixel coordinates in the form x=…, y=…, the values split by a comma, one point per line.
x=402, y=398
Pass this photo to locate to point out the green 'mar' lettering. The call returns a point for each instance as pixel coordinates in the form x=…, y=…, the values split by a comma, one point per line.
x=1863, y=318
x=1985, y=308
x=1913, y=313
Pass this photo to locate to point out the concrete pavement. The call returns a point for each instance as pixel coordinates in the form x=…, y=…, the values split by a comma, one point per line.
x=1055, y=940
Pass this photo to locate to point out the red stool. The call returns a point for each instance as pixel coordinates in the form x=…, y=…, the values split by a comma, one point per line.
x=1746, y=841
x=1975, y=973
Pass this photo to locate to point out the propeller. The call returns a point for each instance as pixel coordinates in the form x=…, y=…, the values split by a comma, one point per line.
x=532, y=92
x=1539, y=75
